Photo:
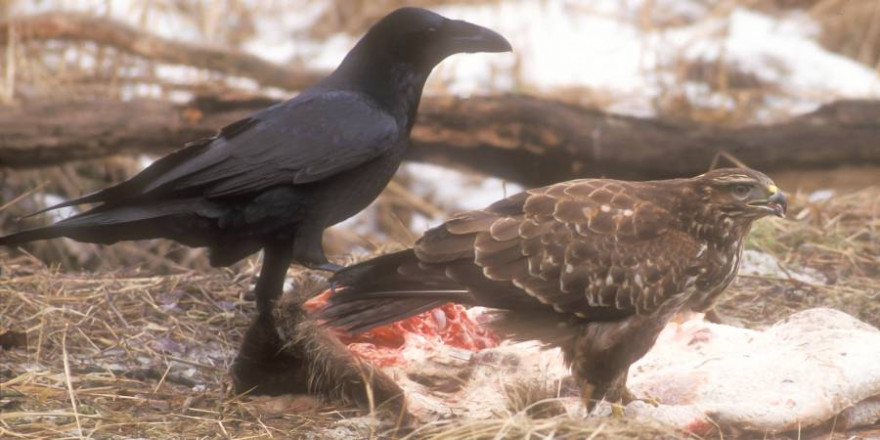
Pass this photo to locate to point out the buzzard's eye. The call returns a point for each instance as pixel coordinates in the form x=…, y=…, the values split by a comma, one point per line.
x=741, y=190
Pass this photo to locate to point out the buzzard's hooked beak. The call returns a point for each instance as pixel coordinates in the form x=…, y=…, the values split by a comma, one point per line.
x=776, y=204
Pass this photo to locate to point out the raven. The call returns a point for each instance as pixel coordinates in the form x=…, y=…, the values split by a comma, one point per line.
x=276, y=179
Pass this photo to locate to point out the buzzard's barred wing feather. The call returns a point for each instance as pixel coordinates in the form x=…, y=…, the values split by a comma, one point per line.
x=581, y=247
x=593, y=249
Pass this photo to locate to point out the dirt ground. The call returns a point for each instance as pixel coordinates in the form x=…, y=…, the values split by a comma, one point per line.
x=128, y=354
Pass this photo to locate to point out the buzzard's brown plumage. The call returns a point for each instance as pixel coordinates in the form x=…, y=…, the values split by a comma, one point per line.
x=594, y=266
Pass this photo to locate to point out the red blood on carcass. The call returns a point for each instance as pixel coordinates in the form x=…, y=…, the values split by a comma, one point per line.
x=448, y=324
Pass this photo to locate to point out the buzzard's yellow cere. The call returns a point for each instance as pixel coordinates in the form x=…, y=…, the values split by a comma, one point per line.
x=596, y=267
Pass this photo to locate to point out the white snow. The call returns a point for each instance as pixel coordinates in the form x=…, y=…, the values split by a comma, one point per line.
x=763, y=264
x=60, y=213
x=628, y=50
x=820, y=195
x=454, y=191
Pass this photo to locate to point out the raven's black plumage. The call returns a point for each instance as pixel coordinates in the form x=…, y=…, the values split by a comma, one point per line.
x=277, y=179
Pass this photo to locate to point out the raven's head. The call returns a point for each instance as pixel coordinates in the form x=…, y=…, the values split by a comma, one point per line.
x=422, y=38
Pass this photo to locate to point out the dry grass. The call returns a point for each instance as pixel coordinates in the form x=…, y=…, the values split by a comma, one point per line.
x=851, y=28
x=114, y=356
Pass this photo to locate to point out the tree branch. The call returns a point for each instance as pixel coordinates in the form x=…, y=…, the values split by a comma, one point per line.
x=81, y=27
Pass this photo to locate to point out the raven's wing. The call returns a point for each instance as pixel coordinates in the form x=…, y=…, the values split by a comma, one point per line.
x=303, y=140
x=592, y=248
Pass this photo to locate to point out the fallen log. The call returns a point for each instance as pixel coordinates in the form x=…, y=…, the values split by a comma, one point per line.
x=524, y=139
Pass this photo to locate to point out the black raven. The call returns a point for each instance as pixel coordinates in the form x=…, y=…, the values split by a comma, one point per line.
x=276, y=179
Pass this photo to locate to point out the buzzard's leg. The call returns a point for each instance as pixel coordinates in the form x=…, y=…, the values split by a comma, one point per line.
x=602, y=352
x=619, y=395
x=587, y=390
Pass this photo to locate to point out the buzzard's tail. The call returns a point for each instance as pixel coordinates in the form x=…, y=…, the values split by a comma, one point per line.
x=387, y=289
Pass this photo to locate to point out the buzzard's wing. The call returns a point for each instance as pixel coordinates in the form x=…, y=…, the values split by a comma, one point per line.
x=304, y=140
x=594, y=248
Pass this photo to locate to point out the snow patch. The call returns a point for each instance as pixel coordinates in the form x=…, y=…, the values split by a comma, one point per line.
x=763, y=264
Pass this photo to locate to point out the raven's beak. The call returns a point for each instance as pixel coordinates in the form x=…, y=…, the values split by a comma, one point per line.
x=468, y=37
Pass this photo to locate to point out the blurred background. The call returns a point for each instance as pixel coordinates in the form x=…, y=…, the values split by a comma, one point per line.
x=93, y=90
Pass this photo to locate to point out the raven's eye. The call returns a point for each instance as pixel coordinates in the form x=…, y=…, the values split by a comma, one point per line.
x=741, y=190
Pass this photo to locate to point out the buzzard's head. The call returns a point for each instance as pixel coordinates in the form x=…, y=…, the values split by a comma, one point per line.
x=743, y=195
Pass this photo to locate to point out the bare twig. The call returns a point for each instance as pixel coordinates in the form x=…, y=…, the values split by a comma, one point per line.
x=82, y=27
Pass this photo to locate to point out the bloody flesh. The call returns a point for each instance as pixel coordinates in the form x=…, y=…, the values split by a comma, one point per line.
x=449, y=324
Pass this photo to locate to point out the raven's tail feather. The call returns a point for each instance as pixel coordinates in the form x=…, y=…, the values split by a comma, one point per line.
x=186, y=221
x=95, y=197
x=387, y=289
x=28, y=236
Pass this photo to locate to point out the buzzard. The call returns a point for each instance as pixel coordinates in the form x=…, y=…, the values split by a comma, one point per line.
x=594, y=266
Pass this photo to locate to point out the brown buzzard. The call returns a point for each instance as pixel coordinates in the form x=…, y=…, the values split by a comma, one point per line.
x=595, y=266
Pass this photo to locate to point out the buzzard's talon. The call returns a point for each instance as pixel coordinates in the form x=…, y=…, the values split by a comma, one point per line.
x=626, y=396
x=650, y=400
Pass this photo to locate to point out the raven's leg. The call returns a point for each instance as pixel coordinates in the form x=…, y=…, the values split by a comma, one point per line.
x=309, y=251
x=276, y=259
